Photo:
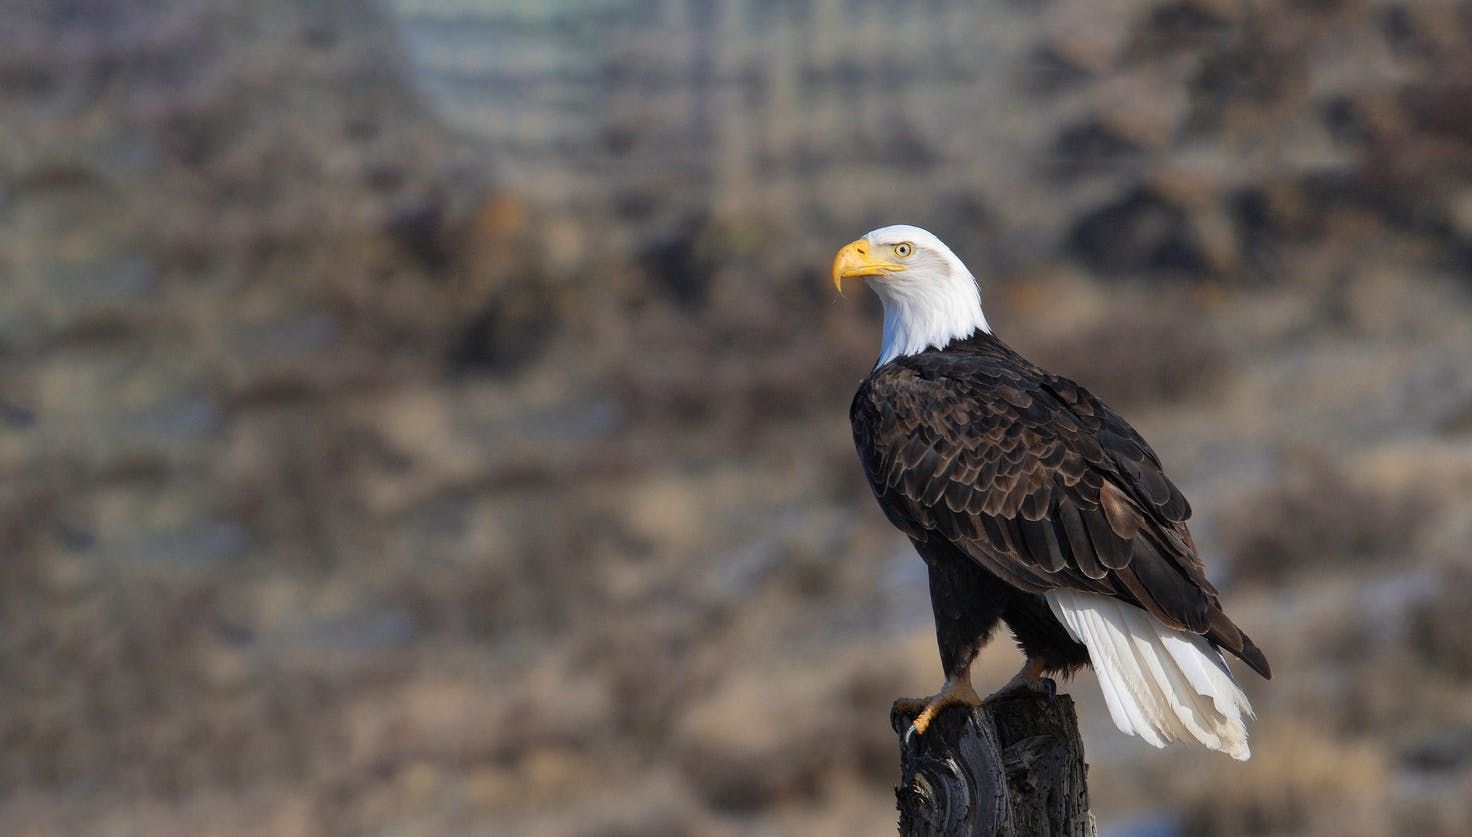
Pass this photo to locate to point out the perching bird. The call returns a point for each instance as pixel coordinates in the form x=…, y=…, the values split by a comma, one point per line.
x=1034, y=503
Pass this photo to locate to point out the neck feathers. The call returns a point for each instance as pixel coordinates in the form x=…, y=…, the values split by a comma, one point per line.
x=928, y=315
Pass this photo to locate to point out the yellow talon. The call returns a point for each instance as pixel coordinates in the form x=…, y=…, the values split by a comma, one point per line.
x=957, y=690
x=1031, y=673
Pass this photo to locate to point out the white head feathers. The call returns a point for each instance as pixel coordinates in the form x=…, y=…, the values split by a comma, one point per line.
x=929, y=296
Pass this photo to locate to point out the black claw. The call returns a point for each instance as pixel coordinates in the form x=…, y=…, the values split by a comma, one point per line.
x=899, y=715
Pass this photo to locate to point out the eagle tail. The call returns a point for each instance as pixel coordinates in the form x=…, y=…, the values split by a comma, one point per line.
x=1160, y=683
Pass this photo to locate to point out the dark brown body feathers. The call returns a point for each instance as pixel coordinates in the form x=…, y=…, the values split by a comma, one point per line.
x=1011, y=482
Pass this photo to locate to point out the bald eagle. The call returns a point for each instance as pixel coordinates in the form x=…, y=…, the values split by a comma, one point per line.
x=1034, y=503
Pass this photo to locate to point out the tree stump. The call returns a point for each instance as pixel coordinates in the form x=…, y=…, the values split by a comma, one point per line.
x=1012, y=766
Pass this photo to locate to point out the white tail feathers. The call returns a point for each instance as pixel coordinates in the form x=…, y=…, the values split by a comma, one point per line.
x=1160, y=683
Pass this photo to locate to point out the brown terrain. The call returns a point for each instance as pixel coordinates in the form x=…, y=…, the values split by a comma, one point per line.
x=431, y=417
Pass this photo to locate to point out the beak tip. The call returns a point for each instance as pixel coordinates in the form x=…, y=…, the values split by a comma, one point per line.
x=852, y=253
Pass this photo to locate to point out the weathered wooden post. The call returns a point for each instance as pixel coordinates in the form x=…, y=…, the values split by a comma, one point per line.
x=1012, y=766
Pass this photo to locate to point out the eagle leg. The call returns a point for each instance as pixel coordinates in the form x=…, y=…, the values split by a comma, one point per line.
x=956, y=691
x=1029, y=679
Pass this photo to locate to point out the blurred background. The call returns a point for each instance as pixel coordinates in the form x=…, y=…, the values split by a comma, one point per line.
x=430, y=416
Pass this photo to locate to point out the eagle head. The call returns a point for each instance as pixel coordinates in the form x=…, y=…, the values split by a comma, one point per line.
x=929, y=296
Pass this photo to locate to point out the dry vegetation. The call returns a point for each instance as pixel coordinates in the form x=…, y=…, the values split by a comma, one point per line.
x=1308, y=783
x=1143, y=350
x=1440, y=635
x=336, y=499
x=1316, y=517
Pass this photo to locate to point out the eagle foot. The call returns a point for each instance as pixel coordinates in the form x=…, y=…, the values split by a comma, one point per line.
x=1029, y=680
x=1022, y=687
x=957, y=691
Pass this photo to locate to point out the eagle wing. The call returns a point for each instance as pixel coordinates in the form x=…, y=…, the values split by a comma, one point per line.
x=1038, y=481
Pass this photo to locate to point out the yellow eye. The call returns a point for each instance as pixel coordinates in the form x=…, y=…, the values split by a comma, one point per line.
x=904, y=249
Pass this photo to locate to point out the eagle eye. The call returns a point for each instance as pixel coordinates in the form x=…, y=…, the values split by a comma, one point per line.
x=904, y=249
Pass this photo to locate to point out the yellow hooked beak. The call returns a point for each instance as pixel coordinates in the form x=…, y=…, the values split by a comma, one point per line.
x=853, y=260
